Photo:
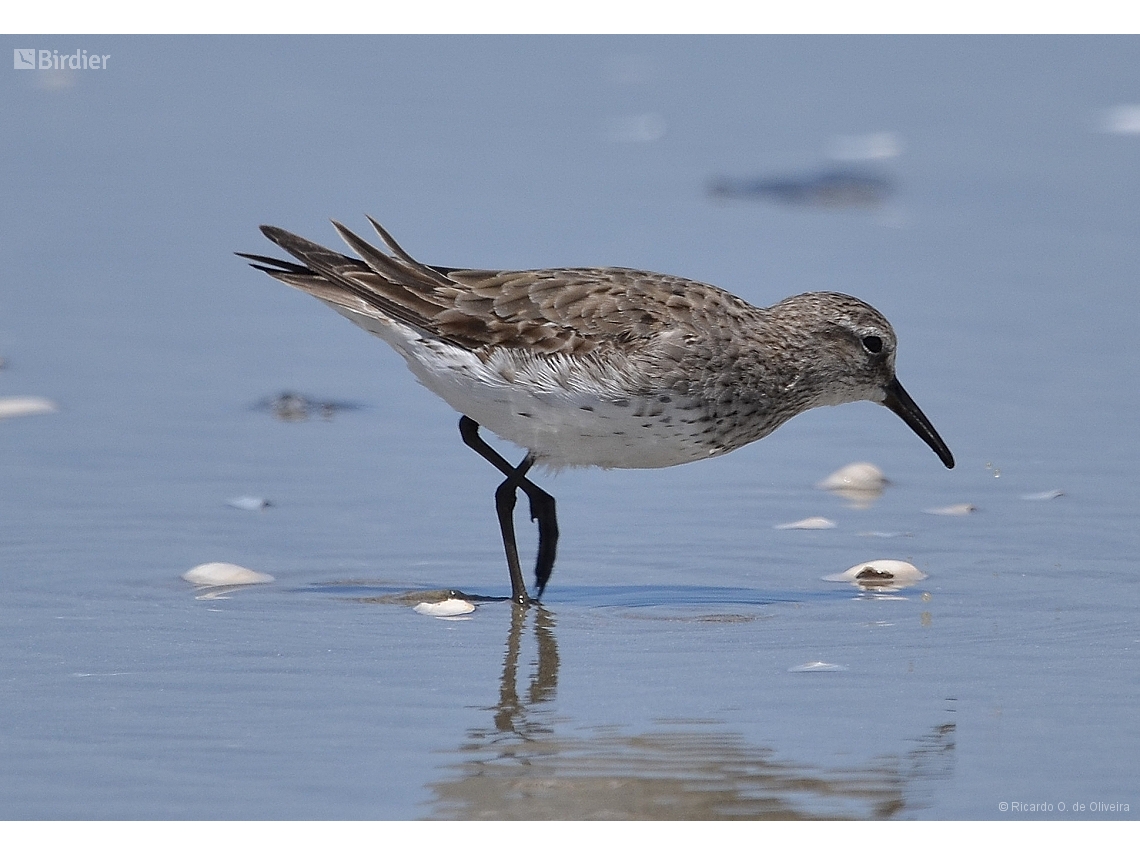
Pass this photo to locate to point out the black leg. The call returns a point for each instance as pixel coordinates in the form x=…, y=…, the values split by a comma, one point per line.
x=505, y=508
x=542, y=510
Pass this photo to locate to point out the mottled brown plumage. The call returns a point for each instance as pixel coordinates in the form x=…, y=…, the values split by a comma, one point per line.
x=602, y=366
x=570, y=311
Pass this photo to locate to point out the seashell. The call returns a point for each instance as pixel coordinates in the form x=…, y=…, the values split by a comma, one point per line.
x=1042, y=497
x=218, y=573
x=10, y=408
x=876, y=146
x=855, y=476
x=249, y=503
x=884, y=574
x=961, y=510
x=445, y=609
x=812, y=667
x=808, y=524
x=1121, y=119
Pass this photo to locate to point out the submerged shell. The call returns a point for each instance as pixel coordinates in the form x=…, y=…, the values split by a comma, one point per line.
x=961, y=510
x=809, y=524
x=1043, y=497
x=812, y=667
x=10, y=408
x=249, y=503
x=218, y=573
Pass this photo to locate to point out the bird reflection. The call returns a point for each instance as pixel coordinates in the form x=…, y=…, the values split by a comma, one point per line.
x=523, y=767
x=512, y=715
x=860, y=499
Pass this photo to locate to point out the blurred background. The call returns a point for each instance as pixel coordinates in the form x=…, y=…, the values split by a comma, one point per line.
x=981, y=192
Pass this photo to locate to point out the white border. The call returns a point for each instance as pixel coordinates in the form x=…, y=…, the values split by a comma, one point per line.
x=663, y=838
x=572, y=16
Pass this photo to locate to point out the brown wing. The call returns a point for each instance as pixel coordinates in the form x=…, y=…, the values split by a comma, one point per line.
x=568, y=310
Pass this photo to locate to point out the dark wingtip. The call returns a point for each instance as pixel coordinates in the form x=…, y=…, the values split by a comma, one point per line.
x=274, y=233
x=271, y=266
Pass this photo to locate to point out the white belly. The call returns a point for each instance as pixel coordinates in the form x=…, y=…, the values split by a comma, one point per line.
x=566, y=411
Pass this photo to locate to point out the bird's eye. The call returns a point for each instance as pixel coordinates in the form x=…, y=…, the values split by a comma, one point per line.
x=872, y=343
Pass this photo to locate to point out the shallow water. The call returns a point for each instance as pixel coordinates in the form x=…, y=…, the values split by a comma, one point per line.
x=689, y=660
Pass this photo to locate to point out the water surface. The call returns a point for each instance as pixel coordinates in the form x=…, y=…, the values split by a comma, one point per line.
x=673, y=670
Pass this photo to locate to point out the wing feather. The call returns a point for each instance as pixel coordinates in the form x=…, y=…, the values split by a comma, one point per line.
x=569, y=311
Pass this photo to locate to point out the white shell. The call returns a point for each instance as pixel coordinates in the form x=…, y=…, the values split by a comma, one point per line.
x=218, y=573
x=811, y=667
x=855, y=476
x=952, y=510
x=1042, y=497
x=25, y=406
x=809, y=523
x=876, y=146
x=448, y=608
x=881, y=571
x=249, y=503
x=1121, y=119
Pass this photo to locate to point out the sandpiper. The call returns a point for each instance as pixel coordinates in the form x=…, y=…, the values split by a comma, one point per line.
x=607, y=367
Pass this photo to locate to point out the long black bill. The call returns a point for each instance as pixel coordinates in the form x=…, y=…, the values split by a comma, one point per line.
x=903, y=405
